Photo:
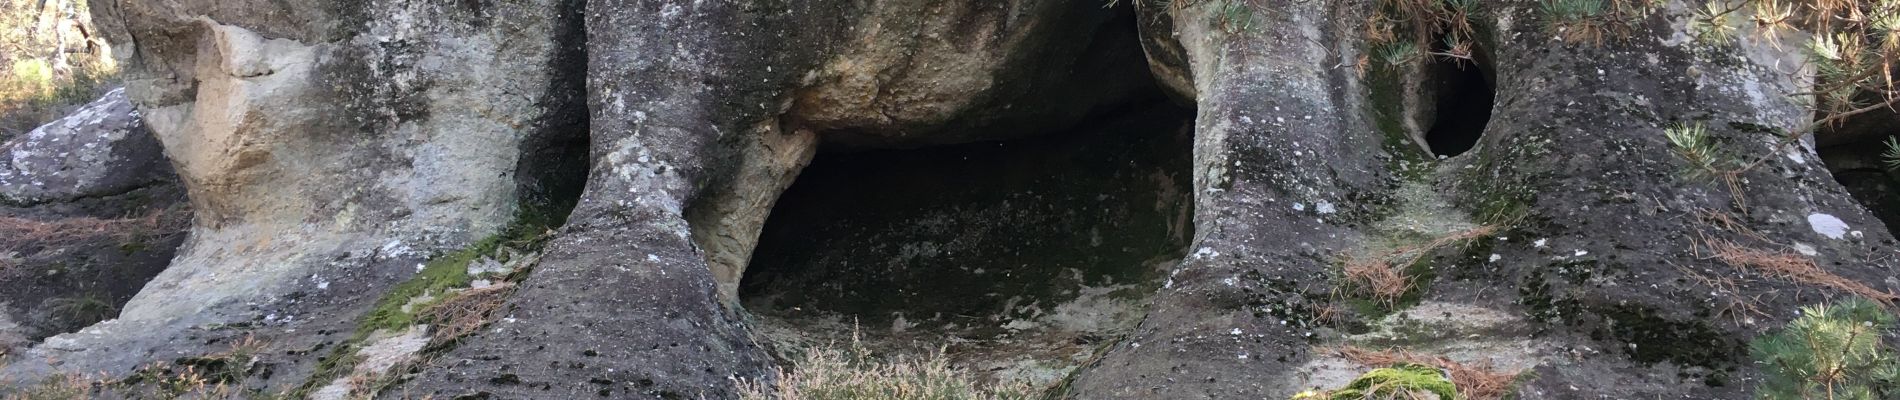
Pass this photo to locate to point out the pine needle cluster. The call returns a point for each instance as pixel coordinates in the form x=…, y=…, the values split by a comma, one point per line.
x=1830, y=352
x=1593, y=21
x=1403, y=32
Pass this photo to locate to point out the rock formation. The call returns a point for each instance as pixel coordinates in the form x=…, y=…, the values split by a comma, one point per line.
x=1181, y=200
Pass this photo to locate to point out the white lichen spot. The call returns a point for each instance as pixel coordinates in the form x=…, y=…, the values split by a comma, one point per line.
x=1805, y=250
x=1495, y=258
x=1539, y=243
x=1827, y=225
x=1206, y=253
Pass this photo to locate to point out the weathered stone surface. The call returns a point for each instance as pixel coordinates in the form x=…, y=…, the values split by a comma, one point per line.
x=702, y=113
x=331, y=147
x=920, y=72
x=1614, y=244
x=1280, y=131
x=328, y=149
x=94, y=212
x=102, y=149
x=1605, y=255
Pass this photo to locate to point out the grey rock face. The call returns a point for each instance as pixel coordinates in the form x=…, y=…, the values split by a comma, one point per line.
x=101, y=149
x=1279, y=132
x=331, y=148
x=1604, y=253
x=328, y=149
x=712, y=107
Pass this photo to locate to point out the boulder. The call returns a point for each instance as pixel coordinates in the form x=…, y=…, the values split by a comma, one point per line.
x=100, y=150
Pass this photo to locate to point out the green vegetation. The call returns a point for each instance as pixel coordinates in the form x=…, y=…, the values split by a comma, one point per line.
x=1830, y=352
x=1692, y=143
x=1403, y=381
x=1890, y=158
x=1852, y=48
x=1405, y=32
x=48, y=63
x=84, y=308
x=1593, y=21
x=1712, y=23
x=853, y=373
x=527, y=233
x=1234, y=16
x=448, y=271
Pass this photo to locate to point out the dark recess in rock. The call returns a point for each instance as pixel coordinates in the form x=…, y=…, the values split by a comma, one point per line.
x=1463, y=92
x=956, y=232
x=1853, y=152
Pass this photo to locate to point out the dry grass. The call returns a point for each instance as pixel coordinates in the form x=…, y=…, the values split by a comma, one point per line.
x=850, y=373
x=1790, y=266
x=465, y=312
x=1383, y=280
x=62, y=387
x=1760, y=259
x=28, y=236
x=1378, y=279
x=1740, y=309
x=1474, y=382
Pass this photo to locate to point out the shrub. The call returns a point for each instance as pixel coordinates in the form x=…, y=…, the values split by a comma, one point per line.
x=1830, y=352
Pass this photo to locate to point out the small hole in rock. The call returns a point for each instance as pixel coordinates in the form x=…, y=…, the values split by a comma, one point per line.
x=1461, y=92
x=1857, y=153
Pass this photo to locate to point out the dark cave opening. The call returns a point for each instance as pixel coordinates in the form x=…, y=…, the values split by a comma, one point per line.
x=1462, y=92
x=1856, y=155
x=552, y=169
x=1017, y=259
x=980, y=233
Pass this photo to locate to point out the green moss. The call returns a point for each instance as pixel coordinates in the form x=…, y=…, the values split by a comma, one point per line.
x=440, y=274
x=1395, y=382
x=448, y=271
x=1656, y=338
x=1385, y=89
x=1497, y=194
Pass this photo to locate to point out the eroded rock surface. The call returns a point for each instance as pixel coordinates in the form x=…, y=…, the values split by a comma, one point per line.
x=100, y=150
x=94, y=213
x=328, y=149
x=331, y=149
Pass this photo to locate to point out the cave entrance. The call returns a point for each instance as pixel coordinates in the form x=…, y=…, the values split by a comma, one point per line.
x=1033, y=249
x=1462, y=92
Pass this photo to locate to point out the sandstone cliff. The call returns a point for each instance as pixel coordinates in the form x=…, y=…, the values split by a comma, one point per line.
x=1127, y=199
